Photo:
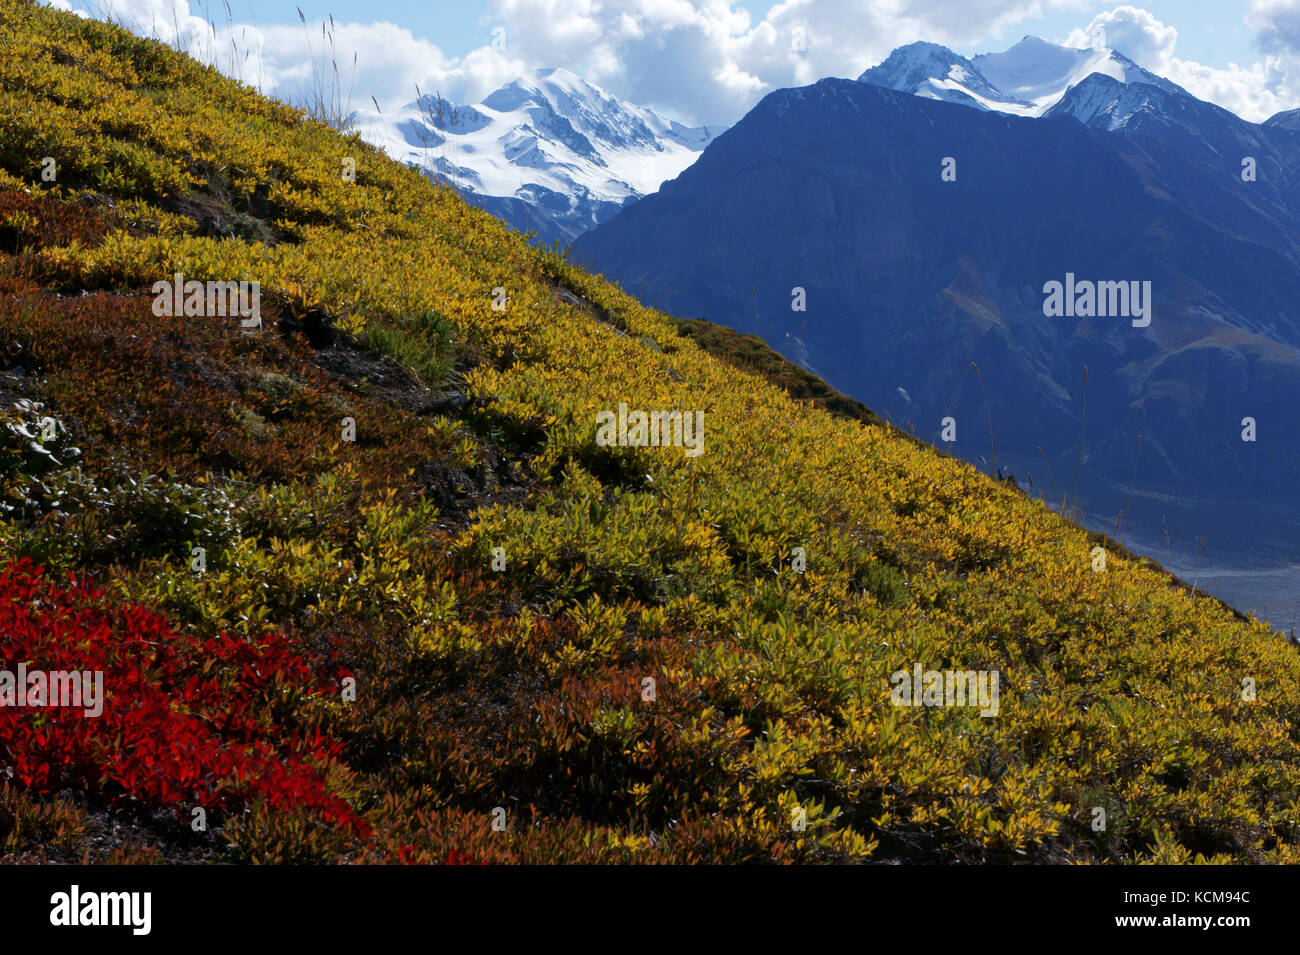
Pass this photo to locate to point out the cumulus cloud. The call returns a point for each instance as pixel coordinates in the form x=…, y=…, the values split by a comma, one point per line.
x=703, y=61
x=1253, y=92
x=1276, y=24
x=1134, y=32
x=297, y=61
x=709, y=61
x=700, y=61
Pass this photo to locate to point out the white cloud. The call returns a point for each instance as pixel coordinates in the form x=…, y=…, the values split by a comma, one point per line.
x=708, y=61
x=1276, y=24
x=702, y=61
x=696, y=60
x=1253, y=92
x=1134, y=32
x=295, y=60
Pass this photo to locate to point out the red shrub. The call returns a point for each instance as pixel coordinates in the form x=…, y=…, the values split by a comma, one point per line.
x=185, y=722
x=456, y=857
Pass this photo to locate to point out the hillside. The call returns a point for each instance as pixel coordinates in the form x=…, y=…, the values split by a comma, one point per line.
x=388, y=644
x=836, y=189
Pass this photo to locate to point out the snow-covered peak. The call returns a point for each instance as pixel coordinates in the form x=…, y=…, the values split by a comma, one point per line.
x=1026, y=80
x=560, y=78
x=594, y=112
x=936, y=72
x=1040, y=72
x=1104, y=102
x=549, y=139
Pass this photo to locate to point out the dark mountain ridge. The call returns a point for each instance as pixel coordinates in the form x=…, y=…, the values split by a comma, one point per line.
x=836, y=188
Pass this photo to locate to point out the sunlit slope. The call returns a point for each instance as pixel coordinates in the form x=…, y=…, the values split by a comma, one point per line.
x=768, y=732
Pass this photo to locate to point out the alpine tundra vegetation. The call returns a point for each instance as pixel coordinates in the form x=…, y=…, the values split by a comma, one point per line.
x=475, y=632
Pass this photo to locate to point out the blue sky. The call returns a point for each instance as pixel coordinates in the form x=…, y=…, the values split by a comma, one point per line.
x=1209, y=31
x=708, y=61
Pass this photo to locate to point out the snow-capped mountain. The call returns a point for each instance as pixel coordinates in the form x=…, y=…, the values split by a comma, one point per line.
x=936, y=72
x=1102, y=102
x=547, y=152
x=1026, y=80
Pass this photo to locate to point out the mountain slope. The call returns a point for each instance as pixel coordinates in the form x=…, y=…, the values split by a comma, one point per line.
x=396, y=483
x=549, y=152
x=1238, y=175
x=1287, y=119
x=909, y=279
